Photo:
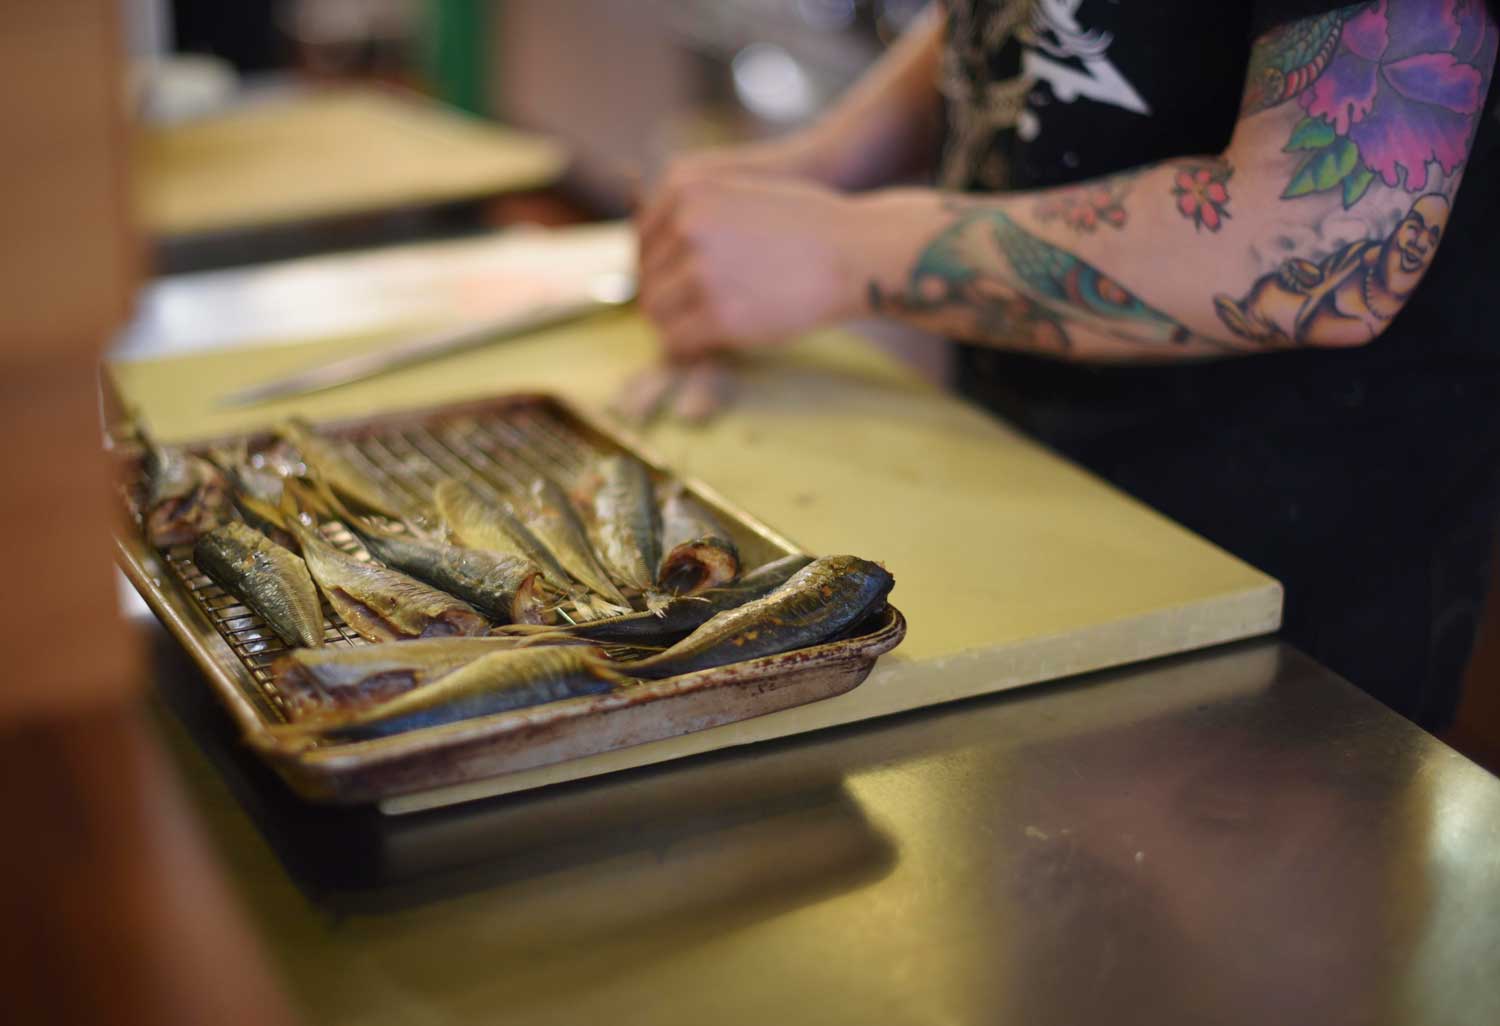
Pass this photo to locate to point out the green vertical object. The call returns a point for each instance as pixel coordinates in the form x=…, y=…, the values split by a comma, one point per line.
x=456, y=45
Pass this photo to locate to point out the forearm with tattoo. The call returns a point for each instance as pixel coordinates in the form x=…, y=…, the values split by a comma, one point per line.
x=1313, y=228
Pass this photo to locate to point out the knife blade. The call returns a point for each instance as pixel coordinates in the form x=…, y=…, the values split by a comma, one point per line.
x=605, y=292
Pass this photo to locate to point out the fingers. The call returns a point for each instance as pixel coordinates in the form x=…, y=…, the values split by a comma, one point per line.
x=706, y=388
x=661, y=205
x=668, y=254
x=643, y=395
x=697, y=391
x=675, y=299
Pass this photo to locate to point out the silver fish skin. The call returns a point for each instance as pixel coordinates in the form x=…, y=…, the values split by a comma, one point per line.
x=626, y=522
x=494, y=683
x=327, y=458
x=508, y=589
x=816, y=603
x=549, y=515
x=266, y=577
x=324, y=681
x=378, y=603
x=699, y=552
x=477, y=523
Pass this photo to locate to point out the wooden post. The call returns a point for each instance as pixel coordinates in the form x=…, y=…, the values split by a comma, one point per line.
x=114, y=911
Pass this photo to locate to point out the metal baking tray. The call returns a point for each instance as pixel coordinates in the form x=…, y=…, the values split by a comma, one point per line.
x=495, y=441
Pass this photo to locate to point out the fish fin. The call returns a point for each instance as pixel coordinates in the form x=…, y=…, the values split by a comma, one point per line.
x=523, y=630
x=299, y=514
x=315, y=498
x=583, y=611
x=615, y=647
x=608, y=671
x=263, y=511
x=603, y=607
x=555, y=637
x=657, y=603
x=291, y=511
x=316, y=486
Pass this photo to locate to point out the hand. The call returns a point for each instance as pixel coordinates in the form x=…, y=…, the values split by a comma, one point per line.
x=745, y=261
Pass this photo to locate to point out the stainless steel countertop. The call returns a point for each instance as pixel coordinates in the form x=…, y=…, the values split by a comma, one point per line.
x=1233, y=836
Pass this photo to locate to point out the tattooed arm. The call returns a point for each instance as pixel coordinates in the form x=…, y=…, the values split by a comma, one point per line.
x=1312, y=228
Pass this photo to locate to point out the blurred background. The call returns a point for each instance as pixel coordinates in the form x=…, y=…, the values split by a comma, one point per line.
x=620, y=84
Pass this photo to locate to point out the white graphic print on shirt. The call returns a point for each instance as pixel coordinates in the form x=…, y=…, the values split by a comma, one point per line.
x=1055, y=49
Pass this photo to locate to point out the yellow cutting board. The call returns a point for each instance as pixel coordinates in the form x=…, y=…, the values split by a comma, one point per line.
x=327, y=154
x=1012, y=565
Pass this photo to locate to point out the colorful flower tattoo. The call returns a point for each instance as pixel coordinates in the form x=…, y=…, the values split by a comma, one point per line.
x=1202, y=192
x=1389, y=88
x=1085, y=209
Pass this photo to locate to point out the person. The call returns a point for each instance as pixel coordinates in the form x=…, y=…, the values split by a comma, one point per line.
x=1180, y=243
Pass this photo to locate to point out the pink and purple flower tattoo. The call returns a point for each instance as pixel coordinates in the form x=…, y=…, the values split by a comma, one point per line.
x=1389, y=89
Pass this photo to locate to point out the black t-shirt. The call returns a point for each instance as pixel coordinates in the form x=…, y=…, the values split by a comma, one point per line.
x=1364, y=478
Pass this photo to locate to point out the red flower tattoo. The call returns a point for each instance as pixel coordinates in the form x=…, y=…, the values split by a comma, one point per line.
x=1085, y=209
x=1202, y=192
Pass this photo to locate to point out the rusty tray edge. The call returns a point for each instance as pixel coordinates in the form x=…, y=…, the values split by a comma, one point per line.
x=188, y=626
x=510, y=742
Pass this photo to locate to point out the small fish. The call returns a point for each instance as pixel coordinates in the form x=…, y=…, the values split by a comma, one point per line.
x=335, y=679
x=186, y=495
x=505, y=588
x=816, y=603
x=509, y=589
x=497, y=682
x=494, y=527
x=680, y=615
x=626, y=525
x=256, y=492
x=699, y=552
x=266, y=577
x=377, y=603
x=331, y=463
x=551, y=519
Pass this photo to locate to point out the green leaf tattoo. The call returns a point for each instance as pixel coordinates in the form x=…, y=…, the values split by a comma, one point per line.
x=1310, y=134
x=1324, y=169
x=1356, y=184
